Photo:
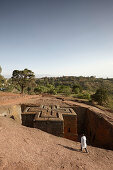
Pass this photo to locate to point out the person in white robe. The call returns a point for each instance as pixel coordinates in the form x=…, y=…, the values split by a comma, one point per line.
x=83, y=143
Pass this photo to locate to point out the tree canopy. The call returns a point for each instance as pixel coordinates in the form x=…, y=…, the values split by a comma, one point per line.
x=23, y=78
x=100, y=96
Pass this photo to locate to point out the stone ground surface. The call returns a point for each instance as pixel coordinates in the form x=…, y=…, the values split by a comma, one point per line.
x=23, y=148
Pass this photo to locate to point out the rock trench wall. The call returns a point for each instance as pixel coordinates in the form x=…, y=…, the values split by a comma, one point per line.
x=98, y=130
x=81, y=116
x=13, y=111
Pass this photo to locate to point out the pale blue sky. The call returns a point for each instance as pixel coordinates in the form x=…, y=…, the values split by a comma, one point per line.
x=57, y=37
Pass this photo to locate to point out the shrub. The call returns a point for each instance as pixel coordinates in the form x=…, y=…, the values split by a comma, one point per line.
x=101, y=96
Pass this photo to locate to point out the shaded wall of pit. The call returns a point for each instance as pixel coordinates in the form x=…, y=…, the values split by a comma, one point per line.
x=98, y=130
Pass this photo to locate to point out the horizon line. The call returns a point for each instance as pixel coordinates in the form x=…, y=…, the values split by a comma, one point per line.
x=52, y=76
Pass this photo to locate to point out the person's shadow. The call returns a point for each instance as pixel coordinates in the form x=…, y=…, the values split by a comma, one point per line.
x=72, y=149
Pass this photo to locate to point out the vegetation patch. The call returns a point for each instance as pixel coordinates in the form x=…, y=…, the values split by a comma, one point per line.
x=94, y=90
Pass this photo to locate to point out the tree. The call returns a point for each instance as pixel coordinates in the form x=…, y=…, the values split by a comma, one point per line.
x=76, y=89
x=28, y=89
x=38, y=90
x=0, y=69
x=23, y=78
x=2, y=81
x=64, y=89
x=51, y=89
x=100, y=96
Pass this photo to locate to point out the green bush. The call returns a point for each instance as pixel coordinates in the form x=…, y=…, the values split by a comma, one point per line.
x=40, y=89
x=66, y=90
x=84, y=95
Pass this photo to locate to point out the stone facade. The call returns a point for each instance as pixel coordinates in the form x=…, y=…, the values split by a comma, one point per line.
x=52, y=119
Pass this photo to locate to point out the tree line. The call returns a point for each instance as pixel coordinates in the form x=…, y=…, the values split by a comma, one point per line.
x=89, y=88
